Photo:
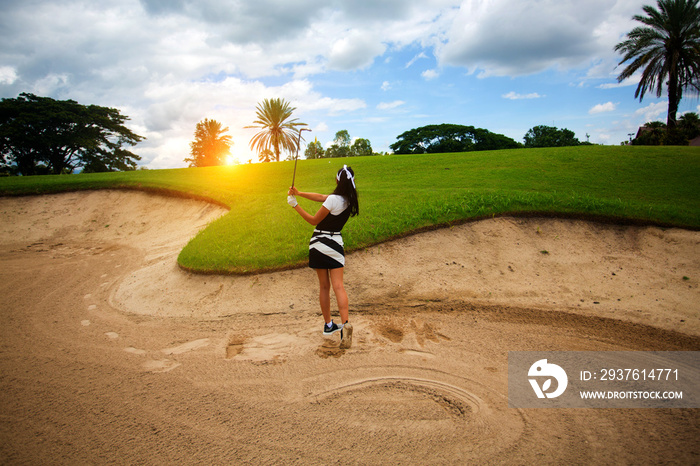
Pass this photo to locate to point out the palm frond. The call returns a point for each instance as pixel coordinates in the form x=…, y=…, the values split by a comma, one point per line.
x=666, y=49
x=276, y=130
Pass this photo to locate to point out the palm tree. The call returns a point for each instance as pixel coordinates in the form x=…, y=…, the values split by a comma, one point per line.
x=210, y=146
x=265, y=156
x=276, y=130
x=667, y=49
x=689, y=123
x=651, y=134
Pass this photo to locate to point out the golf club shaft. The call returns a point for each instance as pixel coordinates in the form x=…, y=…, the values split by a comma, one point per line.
x=297, y=156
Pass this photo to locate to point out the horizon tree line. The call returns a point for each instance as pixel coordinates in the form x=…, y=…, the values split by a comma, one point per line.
x=277, y=132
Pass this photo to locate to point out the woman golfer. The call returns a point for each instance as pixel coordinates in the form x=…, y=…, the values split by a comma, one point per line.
x=326, y=253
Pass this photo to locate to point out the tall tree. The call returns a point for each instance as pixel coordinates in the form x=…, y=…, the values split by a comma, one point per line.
x=210, y=146
x=43, y=135
x=265, y=156
x=340, y=146
x=450, y=138
x=342, y=138
x=314, y=150
x=550, y=136
x=277, y=130
x=361, y=147
x=666, y=49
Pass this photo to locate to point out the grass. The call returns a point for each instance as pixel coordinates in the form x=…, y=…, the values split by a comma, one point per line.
x=401, y=194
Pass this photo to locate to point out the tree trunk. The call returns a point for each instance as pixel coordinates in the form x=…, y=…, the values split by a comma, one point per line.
x=674, y=98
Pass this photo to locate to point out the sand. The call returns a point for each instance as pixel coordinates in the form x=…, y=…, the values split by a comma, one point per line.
x=110, y=353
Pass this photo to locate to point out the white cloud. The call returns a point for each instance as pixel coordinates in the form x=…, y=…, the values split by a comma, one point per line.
x=614, y=85
x=602, y=68
x=51, y=83
x=602, y=108
x=357, y=50
x=515, y=96
x=386, y=86
x=8, y=75
x=631, y=81
x=508, y=38
x=416, y=58
x=652, y=111
x=430, y=74
x=390, y=105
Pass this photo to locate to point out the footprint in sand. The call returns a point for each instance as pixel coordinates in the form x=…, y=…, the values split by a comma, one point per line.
x=273, y=347
x=234, y=347
x=189, y=346
x=420, y=354
x=166, y=365
x=162, y=365
x=112, y=335
x=413, y=335
x=424, y=331
x=330, y=349
x=391, y=332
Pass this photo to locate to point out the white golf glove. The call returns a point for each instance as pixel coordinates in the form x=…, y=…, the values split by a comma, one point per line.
x=292, y=201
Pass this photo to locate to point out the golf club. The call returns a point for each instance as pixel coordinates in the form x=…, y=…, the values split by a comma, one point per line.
x=297, y=156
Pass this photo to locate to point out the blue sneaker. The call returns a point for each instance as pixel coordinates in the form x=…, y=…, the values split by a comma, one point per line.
x=332, y=329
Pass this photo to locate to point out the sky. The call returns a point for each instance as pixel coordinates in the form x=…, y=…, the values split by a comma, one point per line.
x=375, y=68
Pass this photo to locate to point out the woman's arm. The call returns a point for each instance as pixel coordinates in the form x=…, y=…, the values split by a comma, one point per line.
x=312, y=219
x=310, y=196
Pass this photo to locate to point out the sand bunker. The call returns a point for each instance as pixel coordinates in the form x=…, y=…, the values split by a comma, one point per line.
x=111, y=353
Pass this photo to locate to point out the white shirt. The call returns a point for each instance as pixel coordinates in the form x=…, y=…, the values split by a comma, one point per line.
x=335, y=204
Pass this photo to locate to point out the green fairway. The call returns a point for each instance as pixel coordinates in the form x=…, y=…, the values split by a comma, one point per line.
x=400, y=194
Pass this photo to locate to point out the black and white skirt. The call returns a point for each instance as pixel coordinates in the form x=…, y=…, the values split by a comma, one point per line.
x=326, y=250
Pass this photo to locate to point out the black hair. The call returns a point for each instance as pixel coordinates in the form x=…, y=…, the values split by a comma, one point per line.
x=346, y=189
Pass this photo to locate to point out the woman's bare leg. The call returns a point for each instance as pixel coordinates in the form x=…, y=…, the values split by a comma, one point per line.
x=336, y=276
x=324, y=295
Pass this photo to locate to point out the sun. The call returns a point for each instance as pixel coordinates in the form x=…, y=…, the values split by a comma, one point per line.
x=231, y=160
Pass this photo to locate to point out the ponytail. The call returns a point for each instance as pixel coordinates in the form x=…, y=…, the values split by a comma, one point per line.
x=346, y=188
